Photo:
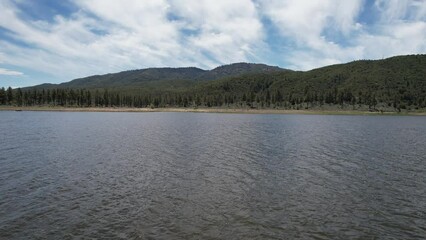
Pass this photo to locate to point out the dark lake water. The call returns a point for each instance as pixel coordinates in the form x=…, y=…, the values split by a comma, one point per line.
x=211, y=176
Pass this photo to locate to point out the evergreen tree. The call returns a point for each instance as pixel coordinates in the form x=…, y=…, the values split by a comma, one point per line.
x=9, y=96
x=2, y=96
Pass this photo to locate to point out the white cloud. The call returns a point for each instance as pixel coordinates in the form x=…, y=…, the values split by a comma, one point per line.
x=400, y=38
x=4, y=71
x=305, y=21
x=393, y=10
x=400, y=29
x=228, y=31
x=134, y=34
x=108, y=36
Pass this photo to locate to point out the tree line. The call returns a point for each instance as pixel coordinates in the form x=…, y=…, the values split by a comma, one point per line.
x=264, y=97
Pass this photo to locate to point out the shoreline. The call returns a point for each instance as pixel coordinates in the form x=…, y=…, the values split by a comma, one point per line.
x=211, y=110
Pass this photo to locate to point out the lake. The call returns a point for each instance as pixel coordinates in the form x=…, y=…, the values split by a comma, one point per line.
x=67, y=175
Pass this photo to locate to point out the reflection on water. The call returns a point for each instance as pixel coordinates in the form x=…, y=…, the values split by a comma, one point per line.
x=192, y=175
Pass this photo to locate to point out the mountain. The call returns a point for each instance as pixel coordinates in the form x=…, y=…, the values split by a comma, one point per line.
x=238, y=69
x=175, y=76
x=392, y=84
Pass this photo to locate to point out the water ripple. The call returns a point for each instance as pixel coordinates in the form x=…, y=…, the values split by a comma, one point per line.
x=211, y=176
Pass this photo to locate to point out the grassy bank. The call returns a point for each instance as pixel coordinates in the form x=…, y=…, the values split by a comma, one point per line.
x=208, y=110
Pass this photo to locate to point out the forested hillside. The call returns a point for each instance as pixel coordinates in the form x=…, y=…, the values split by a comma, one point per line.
x=393, y=84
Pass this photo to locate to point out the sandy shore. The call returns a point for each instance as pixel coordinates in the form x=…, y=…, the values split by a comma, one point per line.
x=207, y=110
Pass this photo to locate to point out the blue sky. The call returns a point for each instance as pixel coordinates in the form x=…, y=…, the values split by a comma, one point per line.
x=56, y=41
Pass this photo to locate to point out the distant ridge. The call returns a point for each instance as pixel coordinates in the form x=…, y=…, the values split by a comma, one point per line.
x=142, y=76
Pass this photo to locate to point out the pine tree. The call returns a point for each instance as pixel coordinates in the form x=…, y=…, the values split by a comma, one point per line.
x=19, y=97
x=9, y=95
x=2, y=96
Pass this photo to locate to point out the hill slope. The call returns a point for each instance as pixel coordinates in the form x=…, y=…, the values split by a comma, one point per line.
x=393, y=80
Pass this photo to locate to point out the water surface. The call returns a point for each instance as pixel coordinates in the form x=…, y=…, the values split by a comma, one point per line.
x=66, y=175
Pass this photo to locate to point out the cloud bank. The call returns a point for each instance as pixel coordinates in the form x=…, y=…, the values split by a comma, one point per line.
x=85, y=37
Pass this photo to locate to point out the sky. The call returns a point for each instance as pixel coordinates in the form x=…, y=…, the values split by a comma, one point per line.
x=51, y=41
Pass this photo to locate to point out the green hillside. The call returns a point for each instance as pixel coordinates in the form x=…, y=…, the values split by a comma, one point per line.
x=393, y=84
x=398, y=82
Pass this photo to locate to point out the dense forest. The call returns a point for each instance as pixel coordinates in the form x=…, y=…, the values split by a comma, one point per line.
x=393, y=84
